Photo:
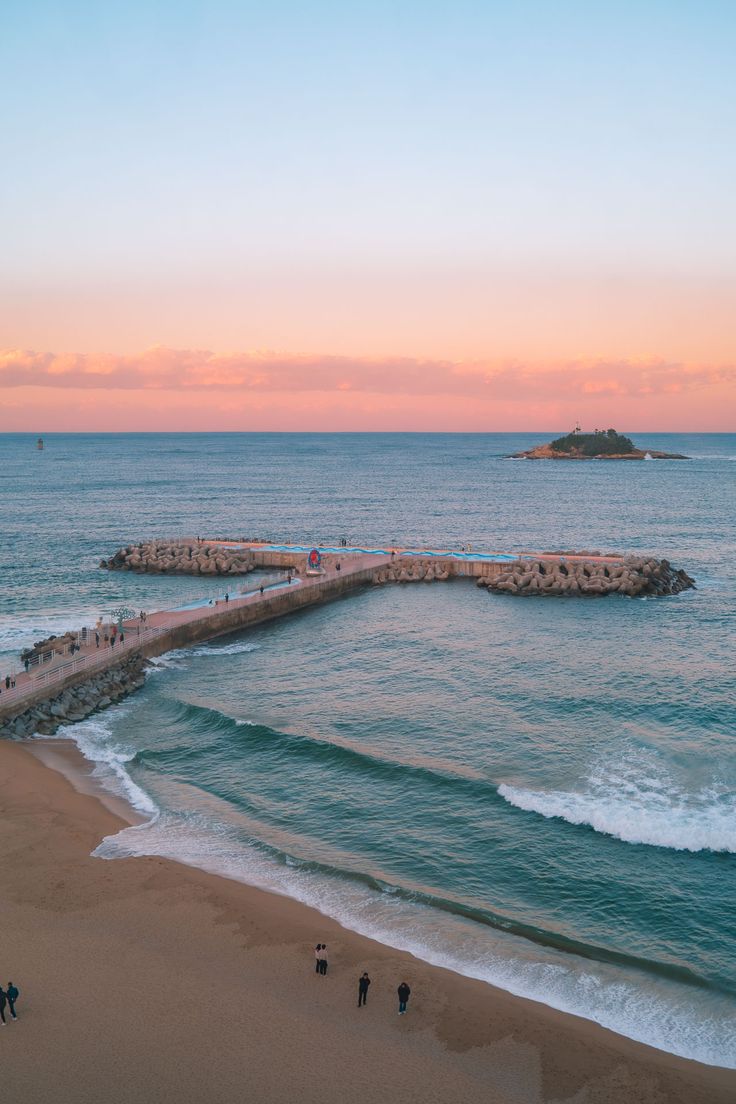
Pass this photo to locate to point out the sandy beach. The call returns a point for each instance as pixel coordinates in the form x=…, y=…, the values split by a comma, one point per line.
x=146, y=980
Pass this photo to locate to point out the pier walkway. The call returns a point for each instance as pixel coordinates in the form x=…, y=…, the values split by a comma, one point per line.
x=192, y=623
x=344, y=568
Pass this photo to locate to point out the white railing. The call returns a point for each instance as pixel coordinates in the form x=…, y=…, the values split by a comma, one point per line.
x=91, y=661
x=135, y=638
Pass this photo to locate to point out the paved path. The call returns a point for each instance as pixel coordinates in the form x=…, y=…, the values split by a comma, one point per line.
x=138, y=633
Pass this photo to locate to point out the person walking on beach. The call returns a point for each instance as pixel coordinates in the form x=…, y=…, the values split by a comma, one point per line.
x=404, y=994
x=12, y=995
x=3, y=1002
x=323, y=960
x=7, y=682
x=317, y=956
x=227, y=596
x=363, y=983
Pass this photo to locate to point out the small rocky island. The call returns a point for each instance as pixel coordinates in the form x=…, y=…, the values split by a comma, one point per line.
x=602, y=444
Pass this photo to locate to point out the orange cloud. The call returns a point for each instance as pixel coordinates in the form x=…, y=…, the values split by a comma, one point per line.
x=162, y=368
x=192, y=388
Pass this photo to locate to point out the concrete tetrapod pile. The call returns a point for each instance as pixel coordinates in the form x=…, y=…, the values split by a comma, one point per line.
x=77, y=702
x=413, y=571
x=632, y=576
x=170, y=557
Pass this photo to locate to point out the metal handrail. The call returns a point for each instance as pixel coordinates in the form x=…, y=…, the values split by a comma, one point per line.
x=135, y=638
x=89, y=662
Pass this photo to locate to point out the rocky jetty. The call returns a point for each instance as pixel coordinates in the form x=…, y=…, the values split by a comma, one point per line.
x=58, y=644
x=167, y=557
x=608, y=445
x=634, y=576
x=77, y=702
x=412, y=571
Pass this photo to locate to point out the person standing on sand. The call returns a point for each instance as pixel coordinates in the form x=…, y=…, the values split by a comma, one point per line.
x=261, y=588
x=97, y=639
x=12, y=995
x=363, y=983
x=323, y=960
x=404, y=994
x=317, y=953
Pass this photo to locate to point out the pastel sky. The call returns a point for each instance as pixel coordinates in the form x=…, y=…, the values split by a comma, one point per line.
x=368, y=215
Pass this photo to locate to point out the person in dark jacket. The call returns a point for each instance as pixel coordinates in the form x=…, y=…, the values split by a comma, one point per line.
x=3, y=1002
x=404, y=994
x=12, y=995
x=363, y=983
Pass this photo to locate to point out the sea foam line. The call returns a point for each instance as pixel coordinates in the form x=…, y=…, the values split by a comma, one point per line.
x=98, y=744
x=651, y=1010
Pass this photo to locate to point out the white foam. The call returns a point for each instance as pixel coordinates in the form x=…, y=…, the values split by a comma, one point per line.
x=175, y=659
x=634, y=800
x=19, y=631
x=98, y=744
x=223, y=649
x=650, y=1009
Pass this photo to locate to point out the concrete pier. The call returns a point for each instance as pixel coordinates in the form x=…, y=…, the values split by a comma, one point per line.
x=168, y=629
x=342, y=569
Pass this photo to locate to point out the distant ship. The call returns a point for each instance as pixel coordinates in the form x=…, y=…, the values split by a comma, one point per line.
x=39, y=444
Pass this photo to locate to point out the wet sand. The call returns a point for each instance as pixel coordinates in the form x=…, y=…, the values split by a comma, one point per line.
x=143, y=980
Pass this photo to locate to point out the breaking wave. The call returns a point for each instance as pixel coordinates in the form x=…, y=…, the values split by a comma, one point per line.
x=646, y=808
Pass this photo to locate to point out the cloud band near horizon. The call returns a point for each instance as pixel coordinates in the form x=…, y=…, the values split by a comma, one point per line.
x=340, y=392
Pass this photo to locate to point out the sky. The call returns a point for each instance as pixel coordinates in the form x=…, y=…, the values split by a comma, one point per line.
x=367, y=215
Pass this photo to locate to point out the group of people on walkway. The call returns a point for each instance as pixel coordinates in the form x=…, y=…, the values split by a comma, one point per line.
x=364, y=981
x=9, y=683
x=8, y=997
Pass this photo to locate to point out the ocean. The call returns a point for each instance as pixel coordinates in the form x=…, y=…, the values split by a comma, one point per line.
x=540, y=793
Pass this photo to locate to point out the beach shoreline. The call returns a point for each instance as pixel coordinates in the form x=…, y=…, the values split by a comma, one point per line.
x=176, y=982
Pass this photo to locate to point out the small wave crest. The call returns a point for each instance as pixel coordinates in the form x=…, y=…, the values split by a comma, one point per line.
x=639, y=807
x=175, y=660
x=223, y=649
x=339, y=752
x=99, y=745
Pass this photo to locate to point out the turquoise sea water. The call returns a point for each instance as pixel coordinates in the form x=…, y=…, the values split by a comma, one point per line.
x=540, y=793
